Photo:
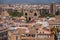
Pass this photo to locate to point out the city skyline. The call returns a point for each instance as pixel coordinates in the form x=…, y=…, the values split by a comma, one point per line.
x=29, y=20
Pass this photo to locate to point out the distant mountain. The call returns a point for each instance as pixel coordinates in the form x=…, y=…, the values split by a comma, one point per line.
x=29, y=1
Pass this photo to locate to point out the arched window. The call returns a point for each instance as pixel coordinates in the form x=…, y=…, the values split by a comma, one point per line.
x=26, y=14
x=26, y=17
x=29, y=18
x=35, y=14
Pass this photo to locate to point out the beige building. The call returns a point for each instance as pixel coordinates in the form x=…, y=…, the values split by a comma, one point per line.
x=53, y=8
x=30, y=31
x=23, y=34
x=5, y=13
x=33, y=13
x=14, y=34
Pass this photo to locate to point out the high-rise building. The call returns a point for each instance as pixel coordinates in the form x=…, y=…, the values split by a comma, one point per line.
x=53, y=8
x=44, y=11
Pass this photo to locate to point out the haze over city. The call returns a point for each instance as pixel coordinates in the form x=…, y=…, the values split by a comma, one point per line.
x=29, y=19
x=29, y=1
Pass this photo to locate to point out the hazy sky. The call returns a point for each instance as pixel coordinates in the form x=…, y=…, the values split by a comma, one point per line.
x=30, y=1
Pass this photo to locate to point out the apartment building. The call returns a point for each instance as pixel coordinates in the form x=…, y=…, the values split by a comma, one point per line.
x=27, y=34
x=3, y=32
x=53, y=8
x=31, y=31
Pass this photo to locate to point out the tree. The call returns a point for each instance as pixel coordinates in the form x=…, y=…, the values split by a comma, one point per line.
x=57, y=12
x=47, y=15
x=15, y=13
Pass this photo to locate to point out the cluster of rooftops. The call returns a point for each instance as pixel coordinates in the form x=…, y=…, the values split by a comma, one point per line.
x=12, y=23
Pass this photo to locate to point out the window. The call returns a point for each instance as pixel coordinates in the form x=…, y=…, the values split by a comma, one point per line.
x=35, y=14
x=23, y=26
x=33, y=35
x=26, y=17
x=4, y=33
x=13, y=26
x=0, y=34
x=1, y=25
x=23, y=39
x=27, y=35
x=13, y=18
x=29, y=18
x=30, y=35
x=26, y=14
x=16, y=37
